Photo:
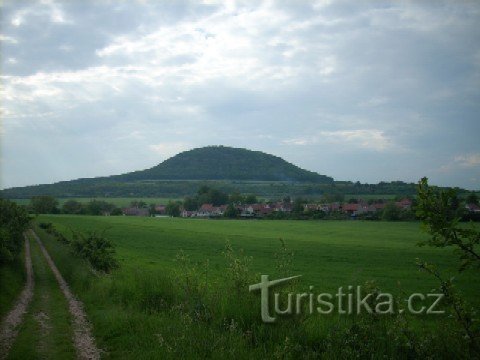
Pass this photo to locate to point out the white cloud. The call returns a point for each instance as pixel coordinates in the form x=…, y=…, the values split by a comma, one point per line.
x=468, y=160
x=169, y=149
x=47, y=9
x=8, y=39
x=370, y=139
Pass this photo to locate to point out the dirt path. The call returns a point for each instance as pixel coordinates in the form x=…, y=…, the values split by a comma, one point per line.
x=9, y=327
x=82, y=335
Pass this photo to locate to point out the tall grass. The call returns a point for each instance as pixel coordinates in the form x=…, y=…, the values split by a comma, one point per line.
x=12, y=281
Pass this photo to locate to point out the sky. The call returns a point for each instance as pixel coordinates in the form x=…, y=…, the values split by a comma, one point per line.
x=364, y=91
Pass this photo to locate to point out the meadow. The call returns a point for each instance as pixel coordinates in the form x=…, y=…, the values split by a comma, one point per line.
x=181, y=290
x=117, y=201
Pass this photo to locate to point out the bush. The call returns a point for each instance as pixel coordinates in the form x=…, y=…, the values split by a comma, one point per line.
x=14, y=221
x=97, y=249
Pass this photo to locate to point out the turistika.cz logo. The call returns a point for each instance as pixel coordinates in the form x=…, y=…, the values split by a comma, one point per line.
x=346, y=301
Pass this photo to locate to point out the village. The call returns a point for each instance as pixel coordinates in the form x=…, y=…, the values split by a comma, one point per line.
x=261, y=210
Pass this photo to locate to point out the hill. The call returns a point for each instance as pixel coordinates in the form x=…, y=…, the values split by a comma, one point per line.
x=182, y=174
x=225, y=163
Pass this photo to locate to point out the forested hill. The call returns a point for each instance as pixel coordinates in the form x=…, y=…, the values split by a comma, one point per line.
x=213, y=163
x=225, y=163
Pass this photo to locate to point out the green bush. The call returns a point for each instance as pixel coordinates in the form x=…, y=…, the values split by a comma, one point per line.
x=14, y=220
x=98, y=250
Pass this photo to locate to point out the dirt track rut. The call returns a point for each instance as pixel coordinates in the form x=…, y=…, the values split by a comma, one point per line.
x=83, y=340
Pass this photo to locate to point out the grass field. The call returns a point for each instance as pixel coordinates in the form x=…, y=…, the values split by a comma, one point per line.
x=328, y=253
x=155, y=305
x=118, y=201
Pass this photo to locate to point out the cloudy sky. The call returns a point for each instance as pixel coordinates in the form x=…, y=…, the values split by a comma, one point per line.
x=358, y=90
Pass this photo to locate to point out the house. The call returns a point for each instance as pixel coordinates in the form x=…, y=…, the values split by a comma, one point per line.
x=336, y=206
x=404, y=204
x=188, y=213
x=311, y=207
x=379, y=206
x=350, y=209
x=473, y=208
x=161, y=209
x=209, y=210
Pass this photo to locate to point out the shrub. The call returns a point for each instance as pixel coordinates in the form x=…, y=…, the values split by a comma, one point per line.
x=14, y=220
x=98, y=250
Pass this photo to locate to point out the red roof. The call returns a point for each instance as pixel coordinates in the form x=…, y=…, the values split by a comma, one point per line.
x=207, y=207
x=350, y=207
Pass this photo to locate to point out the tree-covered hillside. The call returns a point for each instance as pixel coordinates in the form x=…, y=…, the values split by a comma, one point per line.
x=181, y=174
x=226, y=163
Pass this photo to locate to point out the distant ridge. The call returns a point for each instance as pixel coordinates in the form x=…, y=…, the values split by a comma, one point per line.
x=225, y=163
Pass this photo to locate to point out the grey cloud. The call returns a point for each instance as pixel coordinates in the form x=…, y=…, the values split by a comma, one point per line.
x=128, y=80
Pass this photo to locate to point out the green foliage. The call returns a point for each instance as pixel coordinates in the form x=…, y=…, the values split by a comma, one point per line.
x=464, y=314
x=231, y=211
x=438, y=210
x=98, y=250
x=14, y=221
x=116, y=212
x=251, y=199
x=391, y=212
x=44, y=204
x=236, y=198
x=173, y=209
x=284, y=260
x=221, y=163
x=72, y=207
x=190, y=203
x=472, y=198
x=298, y=205
x=238, y=267
x=98, y=207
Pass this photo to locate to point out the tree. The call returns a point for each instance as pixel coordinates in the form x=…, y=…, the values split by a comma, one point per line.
x=44, y=204
x=391, y=212
x=251, y=199
x=438, y=211
x=231, y=211
x=298, y=205
x=72, y=207
x=173, y=209
x=236, y=198
x=13, y=221
x=206, y=195
x=97, y=207
x=138, y=204
x=116, y=212
x=472, y=198
x=190, y=204
x=218, y=197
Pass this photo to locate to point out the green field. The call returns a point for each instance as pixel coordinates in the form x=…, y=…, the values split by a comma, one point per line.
x=118, y=201
x=157, y=306
x=328, y=253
